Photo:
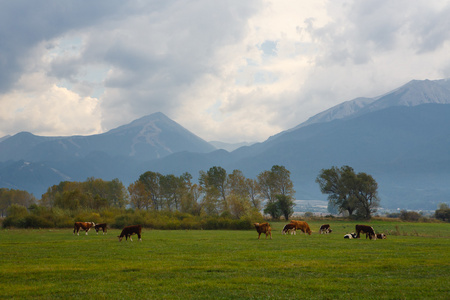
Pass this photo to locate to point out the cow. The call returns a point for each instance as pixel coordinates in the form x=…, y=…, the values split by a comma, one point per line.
x=381, y=236
x=325, y=229
x=368, y=230
x=302, y=225
x=350, y=236
x=129, y=231
x=82, y=225
x=263, y=228
x=289, y=228
x=102, y=226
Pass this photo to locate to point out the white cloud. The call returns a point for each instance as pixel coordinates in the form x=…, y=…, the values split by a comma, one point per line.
x=47, y=109
x=228, y=70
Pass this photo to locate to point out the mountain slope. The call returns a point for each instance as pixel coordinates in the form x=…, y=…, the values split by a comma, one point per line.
x=415, y=92
x=147, y=138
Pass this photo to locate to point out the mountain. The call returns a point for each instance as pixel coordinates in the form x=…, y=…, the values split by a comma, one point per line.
x=401, y=138
x=405, y=146
x=415, y=92
x=147, y=138
x=229, y=146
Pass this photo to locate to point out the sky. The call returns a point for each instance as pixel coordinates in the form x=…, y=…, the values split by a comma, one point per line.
x=226, y=70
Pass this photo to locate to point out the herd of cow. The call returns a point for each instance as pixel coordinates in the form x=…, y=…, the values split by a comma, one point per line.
x=264, y=228
x=127, y=232
x=261, y=228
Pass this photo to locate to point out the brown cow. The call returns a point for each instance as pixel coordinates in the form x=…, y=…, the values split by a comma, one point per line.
x=82, y=225
x=129, y=231
x=302, y=225
x=381, y=236
x=102, y=226
x=368, y=230
x=325, y=229
x=263, y=228
x=289, y=228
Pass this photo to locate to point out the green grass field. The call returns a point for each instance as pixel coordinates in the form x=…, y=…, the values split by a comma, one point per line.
x=412, y=263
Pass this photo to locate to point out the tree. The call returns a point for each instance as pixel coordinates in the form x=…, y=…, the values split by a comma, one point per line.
x=253, y=192
x=151, y=183
x=366, y=194
x=273, y=183
x=286, y=206
x=273, y=209
x=443, y=213
x=10, y=196
x=213, y=182
x=349, y=191
x=139, y=195
x=189, y=200
x=95, y=194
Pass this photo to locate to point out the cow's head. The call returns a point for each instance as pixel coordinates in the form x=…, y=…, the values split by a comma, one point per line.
x=120, y=238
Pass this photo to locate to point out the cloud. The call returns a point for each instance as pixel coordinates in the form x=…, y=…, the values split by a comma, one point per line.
x=48, y=109
x=228, y=70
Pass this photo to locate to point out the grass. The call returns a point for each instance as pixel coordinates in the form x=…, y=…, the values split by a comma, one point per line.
x=412, y=263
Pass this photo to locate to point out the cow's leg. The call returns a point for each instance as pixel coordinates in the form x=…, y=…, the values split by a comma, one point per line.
x=259, y=235
x=139, y=236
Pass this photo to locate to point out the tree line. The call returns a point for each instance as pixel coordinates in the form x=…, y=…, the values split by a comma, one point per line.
x=216, y=194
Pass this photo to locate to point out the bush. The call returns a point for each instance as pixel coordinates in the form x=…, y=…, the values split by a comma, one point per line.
x=33, y=221
x=410, y=216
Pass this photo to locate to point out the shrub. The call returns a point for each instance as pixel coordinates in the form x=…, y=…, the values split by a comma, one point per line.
x=409, y=216
x=33, y=221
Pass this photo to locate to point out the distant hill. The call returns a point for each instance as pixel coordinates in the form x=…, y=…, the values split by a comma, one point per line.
x=401, y=138
x=229, y=146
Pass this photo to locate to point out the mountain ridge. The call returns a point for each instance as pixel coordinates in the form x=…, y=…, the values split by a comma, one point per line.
x=401, y=138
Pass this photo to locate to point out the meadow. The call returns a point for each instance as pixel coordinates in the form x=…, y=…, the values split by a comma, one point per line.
x=412, y=263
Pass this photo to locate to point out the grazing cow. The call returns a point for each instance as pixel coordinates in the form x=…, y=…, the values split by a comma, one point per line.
x=302, y=225
x=102, y=226
x=381, y=236
x=289, y=228
x=368, y=230
x=82, y=225
x=129, y=231
x=325, y=229
x=350, y=236
x=263, y=228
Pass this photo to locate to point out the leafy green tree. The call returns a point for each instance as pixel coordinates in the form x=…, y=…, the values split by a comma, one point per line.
x=348, y=191
x=273, y=209
x=286, y=205
x=273, y=183
x=366, y=192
